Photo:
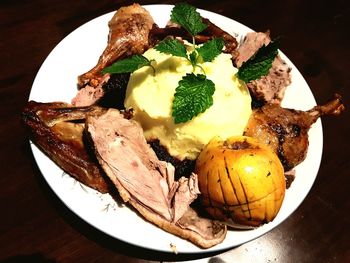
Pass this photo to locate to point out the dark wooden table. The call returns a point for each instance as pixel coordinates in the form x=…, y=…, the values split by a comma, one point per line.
x=36, y=226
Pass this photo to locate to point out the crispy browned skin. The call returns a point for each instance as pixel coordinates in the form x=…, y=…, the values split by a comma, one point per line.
x=230, y=41
x=173, y=30
x=128, y=35
x=55, y=129
x=286, y=130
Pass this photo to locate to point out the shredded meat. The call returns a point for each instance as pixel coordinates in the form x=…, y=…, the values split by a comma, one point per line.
x=144, y=181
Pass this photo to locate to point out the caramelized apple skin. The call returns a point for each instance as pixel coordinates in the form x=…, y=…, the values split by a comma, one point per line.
x=241, y=180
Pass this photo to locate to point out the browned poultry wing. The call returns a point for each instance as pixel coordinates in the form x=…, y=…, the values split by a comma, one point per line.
x=57, y=130
x=286, y=130
x=128, y=34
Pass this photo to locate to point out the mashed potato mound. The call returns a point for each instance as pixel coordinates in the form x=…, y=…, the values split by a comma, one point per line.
x=151, y=96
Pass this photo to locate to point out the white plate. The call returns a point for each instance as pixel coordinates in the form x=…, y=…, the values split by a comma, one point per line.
x=56, y=81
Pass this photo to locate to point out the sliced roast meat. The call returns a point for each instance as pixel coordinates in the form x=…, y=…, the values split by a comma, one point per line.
x=182, y=167
x=57, y=129
x=269, y=88
x=110, y=93
x=114, y=91
x=250, y=45
x=144, y=181
x=88, y=96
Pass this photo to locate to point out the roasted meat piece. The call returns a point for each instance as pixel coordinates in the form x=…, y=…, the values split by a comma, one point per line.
x=182, y=167
x=147, y=183
x=128, y=35
x=215, y=31
x=173, y=30
x=269, y=88
x=57, y=130
x=250, y=45
x=286, y=130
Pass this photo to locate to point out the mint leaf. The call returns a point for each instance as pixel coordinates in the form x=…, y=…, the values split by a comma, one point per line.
x=259, y=64
x=128, y=65
x=211, y=49
x=193, y=96
x=187, y=16
x=173, y=47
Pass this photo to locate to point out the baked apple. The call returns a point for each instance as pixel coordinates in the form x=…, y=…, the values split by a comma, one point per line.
x=241, y=181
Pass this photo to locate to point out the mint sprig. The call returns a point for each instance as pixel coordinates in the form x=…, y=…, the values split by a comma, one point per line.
x=173, y=47
x=129, y=65
x=211, y=49
x=194, y=93
x=187, y=16
x=193, y=96
x=207, y=52
x=260, y=63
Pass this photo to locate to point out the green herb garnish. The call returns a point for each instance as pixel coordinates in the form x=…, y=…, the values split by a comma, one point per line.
x=194, y=93
x=173, y=47
x=193, y=96
x=211, y=49
x=259, y=64
x=187, y=16
x=207, y=52
x=129, y=65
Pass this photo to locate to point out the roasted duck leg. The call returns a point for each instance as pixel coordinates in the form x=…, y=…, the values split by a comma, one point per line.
x=57, y=130
x=286, y=130
x=128, y=35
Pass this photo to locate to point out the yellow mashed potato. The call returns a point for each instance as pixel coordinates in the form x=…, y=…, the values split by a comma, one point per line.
x=151, y=98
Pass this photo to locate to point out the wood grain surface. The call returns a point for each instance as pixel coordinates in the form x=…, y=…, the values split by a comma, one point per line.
x=35, y=226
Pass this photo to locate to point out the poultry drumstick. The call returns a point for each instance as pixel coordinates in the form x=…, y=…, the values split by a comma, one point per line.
x=286, y=130
x=128, y=35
